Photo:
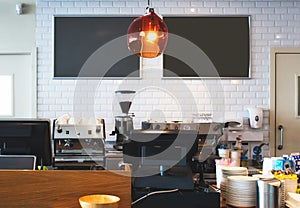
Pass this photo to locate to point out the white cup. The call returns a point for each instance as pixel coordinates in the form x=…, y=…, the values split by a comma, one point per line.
x=219, y=175
x=267, y=166
x=224, y=153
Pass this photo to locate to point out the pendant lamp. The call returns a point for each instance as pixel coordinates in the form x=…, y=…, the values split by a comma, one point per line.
x=147, y=36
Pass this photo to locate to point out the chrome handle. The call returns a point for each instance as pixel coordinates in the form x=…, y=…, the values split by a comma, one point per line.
x=280, y=146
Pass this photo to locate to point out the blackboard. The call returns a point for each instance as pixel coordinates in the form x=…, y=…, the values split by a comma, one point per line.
x=93, y=47
x=220, y=47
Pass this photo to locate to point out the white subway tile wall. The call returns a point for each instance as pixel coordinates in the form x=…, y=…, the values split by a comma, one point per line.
x=273, y=24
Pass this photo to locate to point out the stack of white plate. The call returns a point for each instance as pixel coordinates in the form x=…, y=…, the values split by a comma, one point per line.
x=241, y=191
x=230, y=171
x=292, y=200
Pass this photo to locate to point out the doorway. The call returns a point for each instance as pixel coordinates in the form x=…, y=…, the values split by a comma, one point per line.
x=285, y=101
x=19, y=94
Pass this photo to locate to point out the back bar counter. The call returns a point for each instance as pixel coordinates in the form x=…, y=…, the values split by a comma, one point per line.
x=61, y=188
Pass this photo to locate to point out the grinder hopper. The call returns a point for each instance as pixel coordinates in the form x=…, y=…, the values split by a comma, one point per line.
x=124, y=98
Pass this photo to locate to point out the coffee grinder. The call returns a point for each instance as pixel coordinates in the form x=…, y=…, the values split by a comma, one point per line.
x=123, y=122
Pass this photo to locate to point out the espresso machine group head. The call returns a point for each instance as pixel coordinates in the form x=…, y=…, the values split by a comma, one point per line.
x=123, y=122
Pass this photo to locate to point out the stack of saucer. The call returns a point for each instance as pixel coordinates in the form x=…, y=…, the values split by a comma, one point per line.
x=230, y=171
x=241, y=191
x=234, y=171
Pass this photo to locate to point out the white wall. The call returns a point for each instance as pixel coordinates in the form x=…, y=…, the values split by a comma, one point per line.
x=17, y=31
x=273, y=23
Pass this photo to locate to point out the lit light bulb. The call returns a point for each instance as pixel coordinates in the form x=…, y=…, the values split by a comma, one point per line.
x=152, y=36
x=147, y=36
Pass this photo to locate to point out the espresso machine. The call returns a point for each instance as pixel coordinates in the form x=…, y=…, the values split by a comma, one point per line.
x=123, y=122
x=78, y=146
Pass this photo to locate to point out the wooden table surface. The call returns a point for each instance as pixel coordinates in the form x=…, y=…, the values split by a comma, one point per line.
x=61, y=188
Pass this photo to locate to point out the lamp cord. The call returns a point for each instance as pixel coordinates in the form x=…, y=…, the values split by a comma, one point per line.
x=148, y=7
x=153, y=193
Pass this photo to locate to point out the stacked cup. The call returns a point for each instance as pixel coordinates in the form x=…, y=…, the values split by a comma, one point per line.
x=236, y=157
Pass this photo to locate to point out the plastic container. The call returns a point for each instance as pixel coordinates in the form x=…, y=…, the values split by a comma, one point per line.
x=279, y=164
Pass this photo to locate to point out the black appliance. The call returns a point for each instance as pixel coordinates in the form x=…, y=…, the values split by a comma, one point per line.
x=165, y=157
x=27, y=137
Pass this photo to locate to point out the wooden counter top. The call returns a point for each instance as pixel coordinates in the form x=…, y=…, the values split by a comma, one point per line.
x=61, y=188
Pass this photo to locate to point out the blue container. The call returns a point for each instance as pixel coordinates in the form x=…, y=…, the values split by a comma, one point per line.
x=279, y=164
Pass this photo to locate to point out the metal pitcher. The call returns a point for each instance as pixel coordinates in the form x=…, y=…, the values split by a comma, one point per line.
x=270, y=193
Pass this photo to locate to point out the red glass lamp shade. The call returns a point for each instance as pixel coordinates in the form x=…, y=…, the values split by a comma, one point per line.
x=147, y=36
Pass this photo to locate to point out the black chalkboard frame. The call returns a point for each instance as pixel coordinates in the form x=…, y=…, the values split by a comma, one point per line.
x=113, y=73
x=175, y=68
